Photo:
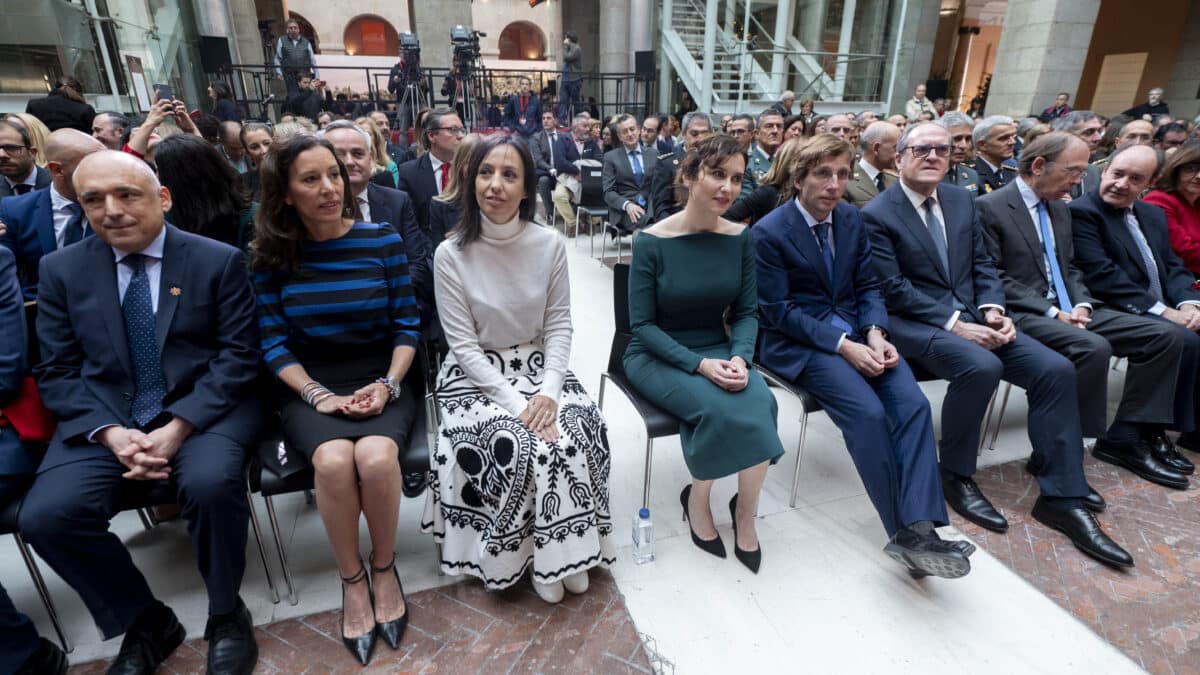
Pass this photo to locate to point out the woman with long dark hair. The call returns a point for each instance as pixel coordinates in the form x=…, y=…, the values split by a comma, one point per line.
x=207, y=194
x=224, y=109
x=340, y=328
x=520, y=471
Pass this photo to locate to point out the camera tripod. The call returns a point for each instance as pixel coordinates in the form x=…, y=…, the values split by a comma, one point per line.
x=409, y=101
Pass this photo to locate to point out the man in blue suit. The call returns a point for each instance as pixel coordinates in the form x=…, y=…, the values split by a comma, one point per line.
x=21, y=650
x=523, y=113
x=149, y=348
x=45, y=220
x=824, y=326
x=946, y=308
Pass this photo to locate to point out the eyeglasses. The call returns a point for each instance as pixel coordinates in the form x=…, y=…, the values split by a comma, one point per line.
x=1075, y=172
x=13, y=149
x=1189, y=170
x=456, y=131
x=922, y=151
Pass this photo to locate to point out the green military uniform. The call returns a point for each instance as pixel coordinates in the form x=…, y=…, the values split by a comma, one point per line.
x=962, y=175
x=861, y=189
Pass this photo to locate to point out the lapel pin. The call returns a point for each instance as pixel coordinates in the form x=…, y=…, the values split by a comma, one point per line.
x=175, y=290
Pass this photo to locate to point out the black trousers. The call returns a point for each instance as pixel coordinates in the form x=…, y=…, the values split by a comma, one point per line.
x=69, y=528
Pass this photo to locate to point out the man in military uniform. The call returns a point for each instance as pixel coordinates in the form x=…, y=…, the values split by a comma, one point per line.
x=294, y=57
x=962, y=151
x=762, y=150
x=876, y=171
x=995, y=138
x=696, y=125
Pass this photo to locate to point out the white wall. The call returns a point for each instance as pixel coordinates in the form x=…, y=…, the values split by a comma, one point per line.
x=330, y=19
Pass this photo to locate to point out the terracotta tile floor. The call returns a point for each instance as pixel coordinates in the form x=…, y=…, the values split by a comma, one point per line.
x=457, y=629
x=1151, y=612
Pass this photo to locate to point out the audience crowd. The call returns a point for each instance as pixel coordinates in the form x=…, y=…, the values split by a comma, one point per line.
x=201, y=282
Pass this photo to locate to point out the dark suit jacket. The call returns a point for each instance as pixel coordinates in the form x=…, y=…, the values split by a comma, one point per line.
x=417, y=181
x=59, y=112
x=443, y=217
x=620, y=186
x=539, y=147
x=566, y=154
x=14, y=459
x=662, y=184
x=1013, y=243
x=914, y=285
x=1112, y=265
x=861, y=189
x=41, y=181
x=395, y=208
x=796, y=297
x=532, y=114
x=664, y=146
x=994, y=180
x=207, y=333
x=30, y=221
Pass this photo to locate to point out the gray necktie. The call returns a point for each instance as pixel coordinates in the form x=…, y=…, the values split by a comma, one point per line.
x=937, y=232
x=1155, y=286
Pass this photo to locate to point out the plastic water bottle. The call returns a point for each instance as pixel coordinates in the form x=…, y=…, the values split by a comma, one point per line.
x=643, y=538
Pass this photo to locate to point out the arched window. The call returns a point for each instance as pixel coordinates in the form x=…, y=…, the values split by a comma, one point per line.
x=522, y=41
x=370, y=35
x=306, y=30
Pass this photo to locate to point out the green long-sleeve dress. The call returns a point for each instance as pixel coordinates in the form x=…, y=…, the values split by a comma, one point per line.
x=679, y=288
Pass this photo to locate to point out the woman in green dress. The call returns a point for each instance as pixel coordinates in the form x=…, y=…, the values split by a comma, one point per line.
x=687, y=270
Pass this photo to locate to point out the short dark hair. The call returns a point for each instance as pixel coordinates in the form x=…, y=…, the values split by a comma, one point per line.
x=1188, y=153
x=571, y=36
x=118, y=119
x=8, y=124
x=470, y=227
x=209, y=127
x=433, y=121
x=709, y=152
x=1168, y=128
x=221, y=89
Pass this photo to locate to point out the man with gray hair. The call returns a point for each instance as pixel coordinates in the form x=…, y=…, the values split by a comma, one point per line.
x=567, y=151
x=762, y=150
x=786, y=100
x=962, y=150
x=696, y=125
x=1154, y=107
x=1087, y=126
x=876, y=171
x=994, y=138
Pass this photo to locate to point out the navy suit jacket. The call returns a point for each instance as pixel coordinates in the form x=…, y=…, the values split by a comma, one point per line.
x=566, y=154
x=417, y=181
x=14, y=459
x=532, y=114
x=1111, y=262
x=41, y=180
x=796, y=297
x=30, y=221
x=395, y=208
x=207, y=332
x=915, y=288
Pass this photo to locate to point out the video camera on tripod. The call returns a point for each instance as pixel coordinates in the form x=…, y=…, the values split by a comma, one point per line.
x=465, y=43
x=410, y=55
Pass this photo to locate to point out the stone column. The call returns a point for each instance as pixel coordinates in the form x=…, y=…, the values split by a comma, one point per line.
x=784, y=12
x=811, y=28
x=613, y=40
x=911, y=49
x=1185, y=76
x=1041, y=52
x=432, y=22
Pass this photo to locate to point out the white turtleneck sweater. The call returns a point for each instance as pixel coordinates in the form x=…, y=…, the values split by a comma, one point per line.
x=510, y=287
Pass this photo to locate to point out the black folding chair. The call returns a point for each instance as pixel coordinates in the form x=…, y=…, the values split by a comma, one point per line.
x=591, y=204
x=658, y=422
x=8, y=525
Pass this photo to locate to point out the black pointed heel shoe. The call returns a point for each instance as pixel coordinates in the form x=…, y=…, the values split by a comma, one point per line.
x=361, y=646
x=751, y=559
x=713, y=546
x=391, y=631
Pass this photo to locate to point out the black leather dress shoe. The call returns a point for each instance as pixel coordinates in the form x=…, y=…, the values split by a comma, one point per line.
x=231, y=646
x=967, y=500
x=1083, y=530
x=412, y=484
x=47, y=659
x=1138, y=457
x=927, y=555
x=1093, y=501
x=1164, y=451
x=148, y=642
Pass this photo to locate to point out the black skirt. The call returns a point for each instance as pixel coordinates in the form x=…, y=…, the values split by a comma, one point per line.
x=306, y=429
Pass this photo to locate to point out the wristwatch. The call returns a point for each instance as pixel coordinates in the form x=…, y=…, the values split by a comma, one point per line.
x=393, y=387
x=866, y=331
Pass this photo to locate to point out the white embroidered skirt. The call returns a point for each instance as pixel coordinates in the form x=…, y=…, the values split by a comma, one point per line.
x=500, y=498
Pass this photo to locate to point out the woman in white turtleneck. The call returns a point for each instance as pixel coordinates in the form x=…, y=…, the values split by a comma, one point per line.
x=520, y=470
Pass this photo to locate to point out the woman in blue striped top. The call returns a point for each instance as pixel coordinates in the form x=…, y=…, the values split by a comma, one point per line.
x=339, y=328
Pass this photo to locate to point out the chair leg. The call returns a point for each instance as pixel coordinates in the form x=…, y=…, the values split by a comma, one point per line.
x=649, y=458
x=600, y=400
x=287, y=573
x=987, y=423
x=262, y=549
x=40, y=584
x=147, y=521
x=309, y=498
x=1000, y=415
x=439, y=560
x=799, y=458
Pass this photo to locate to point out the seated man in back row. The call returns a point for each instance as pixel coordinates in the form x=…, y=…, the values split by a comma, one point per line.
x=824, y=327
x=149, y=342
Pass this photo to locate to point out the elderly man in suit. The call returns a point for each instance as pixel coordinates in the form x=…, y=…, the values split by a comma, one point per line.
x=20, y=172
x=876, y=171
x=149, y=348
x=45, y=220
x=824, y=326
x=424, y=178
x=626, y=177
x=1028, y=230
x=1122, y=247
x=542, y=146
x=946, y=309
x=567, y=150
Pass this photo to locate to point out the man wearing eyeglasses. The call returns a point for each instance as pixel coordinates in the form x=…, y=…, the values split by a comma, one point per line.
x=17, y=152
x=946, y=310
x=425, y=177
x=1028, y=230
x=625, y=177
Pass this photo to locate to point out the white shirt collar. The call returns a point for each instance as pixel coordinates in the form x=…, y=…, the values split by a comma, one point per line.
x=31, y=179
x=808, y=217
x=1027, y=194
x=362, y=196
x=57, y=201
x=917, y=199
x=153, y=250
x=437, y=163
x=868, y=167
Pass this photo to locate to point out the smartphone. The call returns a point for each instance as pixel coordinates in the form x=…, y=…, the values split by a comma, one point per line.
x=164, y=92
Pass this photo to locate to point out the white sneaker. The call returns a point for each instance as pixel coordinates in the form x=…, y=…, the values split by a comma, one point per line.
x=551, y=593
x=577, y=583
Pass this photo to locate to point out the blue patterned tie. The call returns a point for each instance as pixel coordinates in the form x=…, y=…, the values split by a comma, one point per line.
x=74, y=230
x=1056, y=277
x=822, y=232
x=150, y=388
x=1135, y=231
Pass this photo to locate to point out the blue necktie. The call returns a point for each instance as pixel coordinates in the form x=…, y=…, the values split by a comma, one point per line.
x=635, y=160
x=1135, y=231
x=1056, y=277
x=150, y=387
x=74, y=230
x=822, y=232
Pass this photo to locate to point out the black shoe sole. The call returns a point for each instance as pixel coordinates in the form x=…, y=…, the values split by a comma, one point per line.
x=1119, y=461
x=944, y=565
x=1091, y=554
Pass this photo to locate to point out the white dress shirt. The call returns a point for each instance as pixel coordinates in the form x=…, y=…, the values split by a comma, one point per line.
x=437, y=172
x=364, y=205
x=154, y=255
x=1031, y=204
x=812, y=223
x=62, y=215
x=869, y=169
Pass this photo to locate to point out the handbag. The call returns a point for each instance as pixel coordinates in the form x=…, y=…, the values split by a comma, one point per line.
x=28, y=417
